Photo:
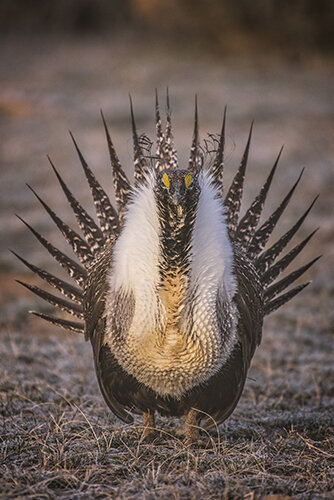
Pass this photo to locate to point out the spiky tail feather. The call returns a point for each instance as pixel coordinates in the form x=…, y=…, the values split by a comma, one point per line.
x=244, y=232
x=106, y=213
x=234, y=194
x=122, y=186
x=91, y=230
x=87, y=249
x=252, y=241
x=140, y=164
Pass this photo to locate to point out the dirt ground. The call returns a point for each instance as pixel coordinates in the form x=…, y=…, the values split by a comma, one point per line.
x=57, y=438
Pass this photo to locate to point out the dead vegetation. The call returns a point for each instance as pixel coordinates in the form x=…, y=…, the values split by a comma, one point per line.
x=58, y=439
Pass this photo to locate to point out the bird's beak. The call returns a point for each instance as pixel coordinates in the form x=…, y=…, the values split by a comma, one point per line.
x=176, y=195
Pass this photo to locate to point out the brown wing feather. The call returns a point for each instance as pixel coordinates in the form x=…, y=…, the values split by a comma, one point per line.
x=96, y=289
x=94, y=305
x=102, y=370
x=250, y=303
x=227, y=385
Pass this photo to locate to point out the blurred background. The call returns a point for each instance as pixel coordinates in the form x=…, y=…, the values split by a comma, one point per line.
x=220, y=26
x=61, y=62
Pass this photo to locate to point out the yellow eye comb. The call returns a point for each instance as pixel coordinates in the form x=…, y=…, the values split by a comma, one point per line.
x=187, y=180
x=165, y=179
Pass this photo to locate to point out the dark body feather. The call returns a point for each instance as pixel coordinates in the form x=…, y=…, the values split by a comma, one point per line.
x=255, y=270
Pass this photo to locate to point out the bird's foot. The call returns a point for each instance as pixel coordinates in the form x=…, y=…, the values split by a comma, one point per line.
x=191, y=428
x=150, y=433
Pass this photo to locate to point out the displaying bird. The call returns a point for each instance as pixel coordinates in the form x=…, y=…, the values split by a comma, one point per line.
x=172, y=287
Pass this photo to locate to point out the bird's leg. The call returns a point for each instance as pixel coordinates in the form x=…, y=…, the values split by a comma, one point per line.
x=191, y=427
x=149, y=432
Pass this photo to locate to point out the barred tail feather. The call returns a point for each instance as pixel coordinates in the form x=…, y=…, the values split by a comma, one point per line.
x=91, y=230
x=282, y=299
x=262, y=235
x=193, y=165
x=64, y=305
x=278, y=287
x=140, y=164
x=217, y=168
x=122, y=186
x=234, y=195
x=75, y=270
x=80, y=247
x=74, y=326
x=72, y=292
x=271, y=274
x=247, y=226
x=268, y=257
x=170, y=150
x=160, y=157
x=105, y=211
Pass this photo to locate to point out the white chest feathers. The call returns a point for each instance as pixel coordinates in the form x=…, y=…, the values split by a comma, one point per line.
x=174, y=337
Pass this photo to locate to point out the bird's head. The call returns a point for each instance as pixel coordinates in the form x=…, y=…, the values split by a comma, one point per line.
x=177, y=189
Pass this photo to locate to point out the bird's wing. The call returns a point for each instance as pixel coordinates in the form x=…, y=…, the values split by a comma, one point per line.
x=95, y=327
x=250, y=303
x=229, y=381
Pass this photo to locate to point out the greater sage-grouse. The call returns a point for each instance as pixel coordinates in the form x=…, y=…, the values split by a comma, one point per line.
x=172, y=287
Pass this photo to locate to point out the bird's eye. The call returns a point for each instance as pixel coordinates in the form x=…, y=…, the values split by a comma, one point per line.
x=187, y=180
x=165, y=180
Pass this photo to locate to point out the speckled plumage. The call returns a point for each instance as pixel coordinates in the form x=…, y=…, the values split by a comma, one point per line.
x=174, y=285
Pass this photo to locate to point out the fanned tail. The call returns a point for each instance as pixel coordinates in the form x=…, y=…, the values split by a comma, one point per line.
x=282, y=299
x=75, y=271
x=271, y=274
x=87, y=249
x=244, y=233
x=280, y=285
x=252, y=241
x=265, y=259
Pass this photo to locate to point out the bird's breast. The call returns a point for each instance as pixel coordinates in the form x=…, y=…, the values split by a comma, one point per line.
x=174, y=342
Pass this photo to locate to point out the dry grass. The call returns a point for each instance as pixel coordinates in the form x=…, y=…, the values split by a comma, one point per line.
x=58, y=440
